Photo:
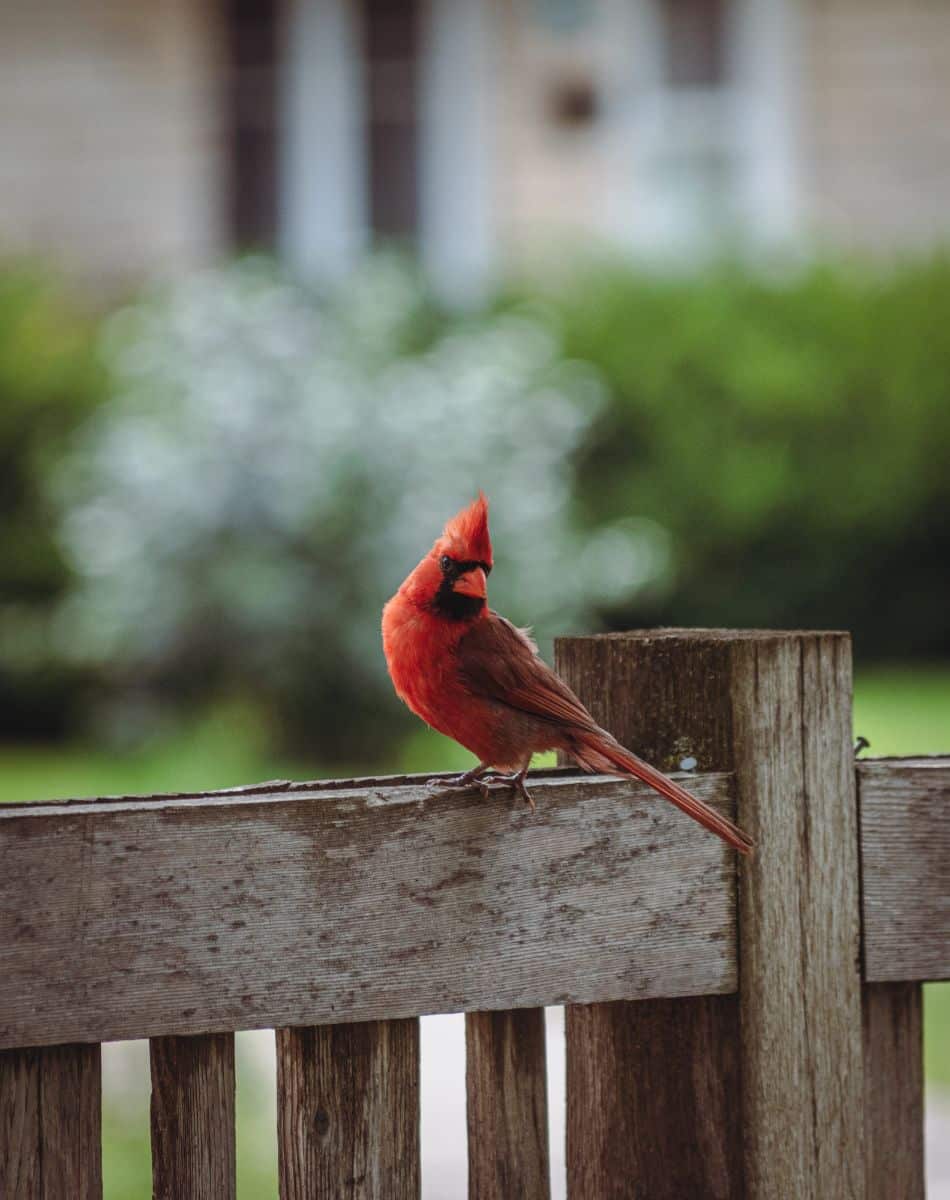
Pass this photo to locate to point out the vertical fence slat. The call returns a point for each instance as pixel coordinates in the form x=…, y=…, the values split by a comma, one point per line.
x=192, y=1116
x=664, y=1131
x=506, y=1086
x=775, y=708
x=51, y=1123
x=894, y=1090
x=348, y=1111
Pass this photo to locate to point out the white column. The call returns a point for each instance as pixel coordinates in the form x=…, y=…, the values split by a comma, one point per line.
x=768, y=54
x=323, y=193
x=457, y=87
x=632, y=122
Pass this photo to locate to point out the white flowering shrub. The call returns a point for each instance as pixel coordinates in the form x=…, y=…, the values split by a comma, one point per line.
x=271, y=466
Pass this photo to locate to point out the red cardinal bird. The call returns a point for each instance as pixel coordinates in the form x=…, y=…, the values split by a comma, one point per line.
x=472, y=675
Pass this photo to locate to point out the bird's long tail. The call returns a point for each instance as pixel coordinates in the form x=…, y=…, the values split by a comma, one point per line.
x=599, y=752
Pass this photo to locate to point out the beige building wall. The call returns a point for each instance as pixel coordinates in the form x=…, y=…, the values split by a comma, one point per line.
x=868, y=109
x=876, y=120
x=112, y=129
x=111, y=158
x=657, y=168
x=552, y=177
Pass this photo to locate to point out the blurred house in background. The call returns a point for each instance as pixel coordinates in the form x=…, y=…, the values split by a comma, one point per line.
x=142, y=138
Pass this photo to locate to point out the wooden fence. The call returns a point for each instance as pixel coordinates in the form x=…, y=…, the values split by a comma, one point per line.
x=746, y=1029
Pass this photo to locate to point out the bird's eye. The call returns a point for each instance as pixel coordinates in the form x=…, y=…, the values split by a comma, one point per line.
x=445, y=562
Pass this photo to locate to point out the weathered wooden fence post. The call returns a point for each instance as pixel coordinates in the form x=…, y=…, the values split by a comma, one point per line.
x=759, y=1094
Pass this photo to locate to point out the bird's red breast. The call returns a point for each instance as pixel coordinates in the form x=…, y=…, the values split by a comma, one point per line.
x=441, y=599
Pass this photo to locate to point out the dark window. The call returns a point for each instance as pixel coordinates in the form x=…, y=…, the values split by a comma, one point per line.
x=695, y=34
x=391, y=59
x=573, y=103
x=252, y=86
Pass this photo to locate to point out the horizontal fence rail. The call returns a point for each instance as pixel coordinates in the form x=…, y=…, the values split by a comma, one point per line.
x=905, y=853
x=298, y=906
x=286, y=904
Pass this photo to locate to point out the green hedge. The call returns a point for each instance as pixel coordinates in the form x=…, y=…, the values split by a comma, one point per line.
x=49, y=381
x=792, y=434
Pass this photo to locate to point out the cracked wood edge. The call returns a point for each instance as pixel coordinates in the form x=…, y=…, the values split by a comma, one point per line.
x=270, y=787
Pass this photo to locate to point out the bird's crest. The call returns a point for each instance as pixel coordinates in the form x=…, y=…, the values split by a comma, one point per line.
x=468, y=529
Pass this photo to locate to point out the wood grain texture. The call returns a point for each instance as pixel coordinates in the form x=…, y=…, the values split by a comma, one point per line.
x=905, y=852
x=51, y=1123
x=652, y=1085
x=799, y=919
x=775, y=707
x=506, y=1086
x=359, y=902
x=192, y=1117
x=894, y=1090
x=348, y=1111
x=652, y=1099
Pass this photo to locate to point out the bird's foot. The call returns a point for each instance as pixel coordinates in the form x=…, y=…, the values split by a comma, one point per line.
x=516, y=781
x=485, y=780
x=461, y=783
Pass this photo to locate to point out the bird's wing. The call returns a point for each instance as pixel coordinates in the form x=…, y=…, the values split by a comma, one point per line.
x=499, y=662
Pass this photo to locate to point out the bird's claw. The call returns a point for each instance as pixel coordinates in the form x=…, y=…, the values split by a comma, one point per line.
x=486, y=784
x=524, y=793
x=516, y=781
x=455, y=783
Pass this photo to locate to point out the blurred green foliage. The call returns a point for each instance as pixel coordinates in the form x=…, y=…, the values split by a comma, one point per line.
x=791, y=432
x=904, y=710
x=728, y=448
x=271, y=465
x=225, y=746
x=50, y=379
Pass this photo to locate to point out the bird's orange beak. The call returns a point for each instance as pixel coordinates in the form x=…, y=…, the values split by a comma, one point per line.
x=472, y=583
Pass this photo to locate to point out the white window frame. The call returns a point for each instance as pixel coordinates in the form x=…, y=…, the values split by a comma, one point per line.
x=751, y=120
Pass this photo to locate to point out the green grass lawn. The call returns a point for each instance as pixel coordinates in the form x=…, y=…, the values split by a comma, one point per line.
x=903, y=710
x=900, y=710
